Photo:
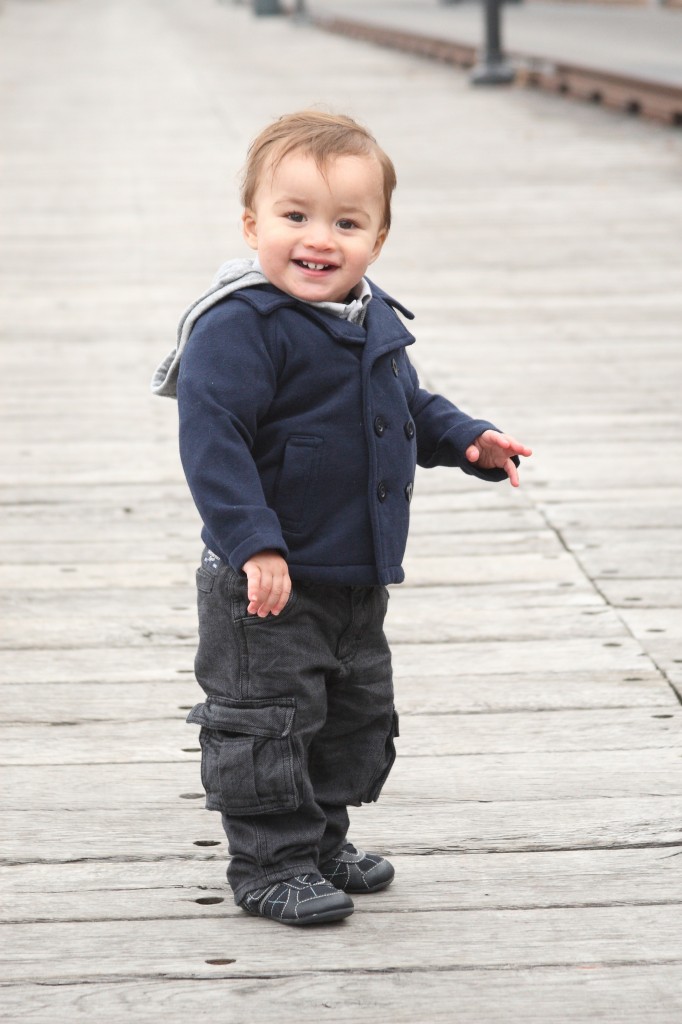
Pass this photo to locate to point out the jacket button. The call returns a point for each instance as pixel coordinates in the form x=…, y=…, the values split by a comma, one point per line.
x=394, y=367
x=382, y=491
x=379, y=425
x=409, y=430
x=408, y=492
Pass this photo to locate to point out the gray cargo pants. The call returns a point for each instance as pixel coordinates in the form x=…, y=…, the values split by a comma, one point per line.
x=298, y=722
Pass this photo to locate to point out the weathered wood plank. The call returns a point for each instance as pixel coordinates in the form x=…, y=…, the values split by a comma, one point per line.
x=151, y=662
x=451, y=940
x=173, y=829
x=644, y=593
x=130, y=890
x=118, y=617
x=483, y=777
x=150, y=525
x=564, y=995
x=144, y=737
x=660, y=509
x=127, y=541
x=96, y=700
x=523, y=656
x=504, y=567
x=102, y=664
x=559, y=568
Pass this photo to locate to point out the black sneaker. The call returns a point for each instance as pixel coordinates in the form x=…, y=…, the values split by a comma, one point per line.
x=353, y=870
x=305, y=899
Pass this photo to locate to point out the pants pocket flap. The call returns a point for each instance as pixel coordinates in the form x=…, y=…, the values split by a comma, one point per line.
x=271, y=718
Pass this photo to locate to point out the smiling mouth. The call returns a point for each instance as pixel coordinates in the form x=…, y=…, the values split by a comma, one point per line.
x=307, y=265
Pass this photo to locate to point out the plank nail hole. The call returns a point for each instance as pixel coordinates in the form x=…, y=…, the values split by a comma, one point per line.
x=191, y=750
x=192, y=796
x=633, y=679
x=567, y=584
x=610, y=572
x=662, y=716
x=612, y=643
x=206, y=842
x=633, y=599
x=208, y=901
x=220, y=963
x=185, y=707
x=655, y=630
x=64, y=723
x=185, y=671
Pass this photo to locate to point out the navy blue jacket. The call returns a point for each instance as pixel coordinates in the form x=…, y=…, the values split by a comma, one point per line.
x=300, y=432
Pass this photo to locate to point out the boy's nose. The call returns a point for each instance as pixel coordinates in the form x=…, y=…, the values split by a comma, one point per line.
x=318, y=236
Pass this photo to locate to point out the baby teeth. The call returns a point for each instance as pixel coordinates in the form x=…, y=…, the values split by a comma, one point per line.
x=314, y=266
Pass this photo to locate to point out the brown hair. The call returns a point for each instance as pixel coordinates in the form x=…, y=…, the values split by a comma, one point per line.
x=320, y=135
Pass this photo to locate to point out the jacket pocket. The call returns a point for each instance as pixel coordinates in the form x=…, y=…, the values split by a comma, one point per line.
x=249, y=761
x=298, y=473
x=387, y=762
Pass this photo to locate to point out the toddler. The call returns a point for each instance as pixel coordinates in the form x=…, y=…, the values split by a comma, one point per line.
x=301, y=423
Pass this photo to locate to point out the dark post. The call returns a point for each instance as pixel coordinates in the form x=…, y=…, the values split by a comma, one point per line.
x=300, y=12
x=492, y=67
x=265, y=7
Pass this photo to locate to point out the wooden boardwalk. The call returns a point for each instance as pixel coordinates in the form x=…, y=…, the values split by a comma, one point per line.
x=534, y=811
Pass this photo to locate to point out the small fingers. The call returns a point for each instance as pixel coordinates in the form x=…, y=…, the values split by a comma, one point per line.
x=267, y=594
x=512, y=472
x=257, y=589
x=283, y=598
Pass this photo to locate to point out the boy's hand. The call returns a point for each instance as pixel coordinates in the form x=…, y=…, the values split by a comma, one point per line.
x=269, y=586
x=492, y=450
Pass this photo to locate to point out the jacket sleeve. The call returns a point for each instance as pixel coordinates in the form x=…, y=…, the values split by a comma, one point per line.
x=226, y=383
x=444, y=432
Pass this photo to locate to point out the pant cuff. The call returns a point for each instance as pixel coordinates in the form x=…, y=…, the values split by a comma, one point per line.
x=270, y=877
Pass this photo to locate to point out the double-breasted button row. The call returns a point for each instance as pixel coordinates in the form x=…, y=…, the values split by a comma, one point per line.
x=382, y=491
x=380, y=426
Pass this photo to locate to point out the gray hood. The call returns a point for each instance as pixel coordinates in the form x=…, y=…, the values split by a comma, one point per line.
x=232, y=276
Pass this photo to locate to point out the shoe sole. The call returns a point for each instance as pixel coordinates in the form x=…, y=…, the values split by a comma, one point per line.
x=330, y=915
x=322, y=918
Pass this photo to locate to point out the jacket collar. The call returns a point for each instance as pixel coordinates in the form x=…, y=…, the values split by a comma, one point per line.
x=382, y=330
x=266, y=298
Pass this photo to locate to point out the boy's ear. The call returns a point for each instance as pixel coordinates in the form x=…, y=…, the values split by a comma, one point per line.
x=249, y=228
x=378, y=245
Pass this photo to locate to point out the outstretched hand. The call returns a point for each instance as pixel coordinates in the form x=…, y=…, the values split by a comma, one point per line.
x=268, y=583
x=492, y=450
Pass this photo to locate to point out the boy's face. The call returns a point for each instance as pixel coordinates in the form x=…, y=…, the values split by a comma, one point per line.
x=317, y=234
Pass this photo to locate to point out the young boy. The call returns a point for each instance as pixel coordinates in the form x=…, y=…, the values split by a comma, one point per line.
x=301, y=423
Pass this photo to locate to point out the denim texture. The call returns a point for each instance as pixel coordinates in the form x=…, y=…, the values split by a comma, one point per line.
x=298, y=721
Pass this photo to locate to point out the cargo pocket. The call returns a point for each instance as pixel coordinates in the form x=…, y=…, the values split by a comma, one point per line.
x=249, y=761
x=384, y=770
